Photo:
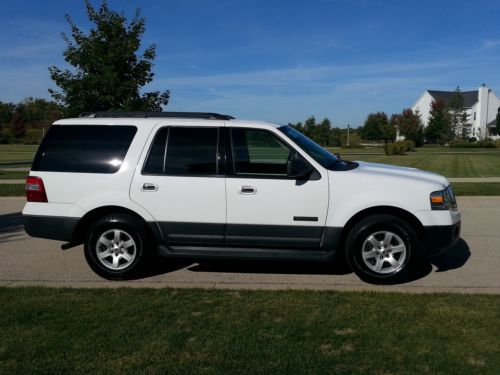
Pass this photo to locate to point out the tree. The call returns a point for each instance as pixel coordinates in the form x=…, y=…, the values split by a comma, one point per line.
x=6, y=112
x=323, y=132
x=456, y=107
x=109, y=71
x=18, y=121
x=389, y=132
x=464, y=126
x=335, y=137
x=372, y=130
x=409, y=124
x=498, y=122
x=438, y=129
x=40, y=112
x=310, y=127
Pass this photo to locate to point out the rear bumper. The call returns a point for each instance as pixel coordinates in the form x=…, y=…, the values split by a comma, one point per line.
x=441, y=237
x=59, y=228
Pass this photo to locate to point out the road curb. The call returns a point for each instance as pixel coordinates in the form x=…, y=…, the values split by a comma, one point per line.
x=413, y=289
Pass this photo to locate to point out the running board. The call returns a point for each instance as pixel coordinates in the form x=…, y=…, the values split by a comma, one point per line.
x=207, y=252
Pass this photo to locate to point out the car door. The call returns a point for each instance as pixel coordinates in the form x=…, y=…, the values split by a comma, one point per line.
x=181, y=186
x=265, y=207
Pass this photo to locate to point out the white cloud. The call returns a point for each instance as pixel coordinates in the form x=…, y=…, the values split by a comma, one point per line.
x=491, y=43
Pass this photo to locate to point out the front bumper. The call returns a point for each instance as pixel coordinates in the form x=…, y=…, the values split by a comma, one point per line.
x=441, y=237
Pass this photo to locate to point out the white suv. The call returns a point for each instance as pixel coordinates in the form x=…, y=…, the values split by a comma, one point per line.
x=203, y=185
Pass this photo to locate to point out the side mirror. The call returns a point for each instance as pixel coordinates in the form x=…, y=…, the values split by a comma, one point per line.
x=298, y=168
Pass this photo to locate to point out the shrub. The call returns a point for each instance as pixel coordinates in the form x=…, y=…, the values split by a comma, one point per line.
x=410, y=145
x=32, y=137
x=353, y=146
x=6, y=136
x=397, y=148
x=483, y=143
x=487, y=143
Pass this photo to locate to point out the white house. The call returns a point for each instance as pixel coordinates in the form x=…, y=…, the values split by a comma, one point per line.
x=482, y=106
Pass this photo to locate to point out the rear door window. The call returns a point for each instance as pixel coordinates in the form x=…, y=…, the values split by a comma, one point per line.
x=84, y=148
x=184, y=151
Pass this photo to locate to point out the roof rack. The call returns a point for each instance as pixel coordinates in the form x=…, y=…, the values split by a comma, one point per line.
x=202, y=115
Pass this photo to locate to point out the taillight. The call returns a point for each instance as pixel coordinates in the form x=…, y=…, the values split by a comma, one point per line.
x=35, y=191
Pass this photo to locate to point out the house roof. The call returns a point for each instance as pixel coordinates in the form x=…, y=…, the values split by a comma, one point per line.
x=492, y=123
x=470, y=97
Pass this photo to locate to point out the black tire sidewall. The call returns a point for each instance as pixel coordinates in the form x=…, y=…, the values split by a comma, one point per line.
x=90, y=247
x=373, y=224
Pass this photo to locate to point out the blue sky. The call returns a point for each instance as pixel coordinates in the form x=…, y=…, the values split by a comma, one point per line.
x=280, y=61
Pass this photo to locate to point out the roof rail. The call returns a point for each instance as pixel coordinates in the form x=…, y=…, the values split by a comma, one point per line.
x=202, y=115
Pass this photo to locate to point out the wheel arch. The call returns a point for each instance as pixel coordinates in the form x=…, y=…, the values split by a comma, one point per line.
x=385, y=210
x=91, y=216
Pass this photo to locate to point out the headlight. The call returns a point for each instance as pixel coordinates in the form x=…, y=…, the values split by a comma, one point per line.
x=443, y=200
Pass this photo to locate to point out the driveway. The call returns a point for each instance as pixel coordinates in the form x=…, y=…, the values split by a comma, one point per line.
x=471, y=266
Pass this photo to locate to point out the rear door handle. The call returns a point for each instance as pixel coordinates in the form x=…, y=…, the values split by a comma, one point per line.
x=248, y=190
x=149, y=187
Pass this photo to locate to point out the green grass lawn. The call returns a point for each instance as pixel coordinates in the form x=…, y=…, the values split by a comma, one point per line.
x=254, y=332
x=472, y=188
x=8, y=190
x=421, y=150
x=12, y=175
x=18, y=148
x=449, y=165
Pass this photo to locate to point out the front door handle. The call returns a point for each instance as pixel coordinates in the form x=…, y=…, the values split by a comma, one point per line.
x=149, y=187
x=248, y=190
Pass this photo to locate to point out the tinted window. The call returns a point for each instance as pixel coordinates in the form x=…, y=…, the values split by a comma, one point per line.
x=318, y=153
x=258, y=152
x=155, y=164
x=84, y=148
x=189, y=151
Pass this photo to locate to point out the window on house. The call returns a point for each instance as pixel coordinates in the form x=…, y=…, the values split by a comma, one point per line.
x=474, y=115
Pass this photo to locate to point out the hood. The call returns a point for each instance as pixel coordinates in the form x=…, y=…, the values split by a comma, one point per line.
x=401, y=172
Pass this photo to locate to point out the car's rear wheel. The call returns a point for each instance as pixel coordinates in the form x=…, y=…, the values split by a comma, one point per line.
x=116, y=246
x=382, y=248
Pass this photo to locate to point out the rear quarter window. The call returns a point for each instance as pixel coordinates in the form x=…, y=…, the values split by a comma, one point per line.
x=84, y=148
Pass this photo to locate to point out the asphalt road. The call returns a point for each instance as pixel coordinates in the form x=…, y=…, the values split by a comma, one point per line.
x=471, y=266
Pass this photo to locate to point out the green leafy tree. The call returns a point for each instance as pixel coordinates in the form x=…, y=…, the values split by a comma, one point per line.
x=409, y=124
x=498, y=122
x=460, y=125
x=335, y=137
x=438, y=128
x=464, y=126
x=297, y=126
x=18, y=121
x=40, y=112
x=109, y=71
x=323, y=132
x=310, y=128
x=6, y=112
x=372, y=129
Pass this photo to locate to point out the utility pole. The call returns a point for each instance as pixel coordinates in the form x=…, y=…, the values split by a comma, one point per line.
x=348, y=127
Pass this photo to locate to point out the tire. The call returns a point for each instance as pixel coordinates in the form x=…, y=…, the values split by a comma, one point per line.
x=382, y=249
x=116, y=247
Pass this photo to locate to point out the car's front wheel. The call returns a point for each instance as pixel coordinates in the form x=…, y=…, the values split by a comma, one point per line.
x=116, y=246
x=382, y=248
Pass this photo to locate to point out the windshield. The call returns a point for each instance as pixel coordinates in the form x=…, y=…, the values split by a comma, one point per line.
x=318, y=153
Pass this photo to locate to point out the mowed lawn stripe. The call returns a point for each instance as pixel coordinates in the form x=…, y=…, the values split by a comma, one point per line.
x=249, y=332
x=449, y=165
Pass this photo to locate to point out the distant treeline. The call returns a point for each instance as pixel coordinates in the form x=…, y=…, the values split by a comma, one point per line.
x=26, y=121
